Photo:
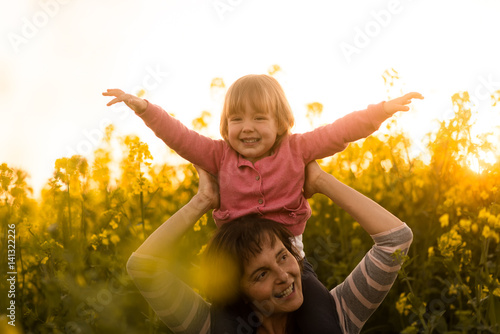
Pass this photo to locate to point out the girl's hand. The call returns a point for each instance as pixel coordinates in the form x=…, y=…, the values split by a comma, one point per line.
x=312, y=185
x=133, y=102
x=208, y=189
x=400, y=103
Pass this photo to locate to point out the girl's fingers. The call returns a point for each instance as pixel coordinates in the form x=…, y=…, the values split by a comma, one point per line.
x=113, y=92
x=115, y=100
x=414, y=95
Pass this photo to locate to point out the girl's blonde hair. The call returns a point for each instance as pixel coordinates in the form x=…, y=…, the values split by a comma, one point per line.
x=263, y=93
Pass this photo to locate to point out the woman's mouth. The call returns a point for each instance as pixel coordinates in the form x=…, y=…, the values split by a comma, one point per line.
x=286, y=292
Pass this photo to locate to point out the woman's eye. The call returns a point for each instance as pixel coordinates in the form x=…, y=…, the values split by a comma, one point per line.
x=261, y=276
x=284, y=257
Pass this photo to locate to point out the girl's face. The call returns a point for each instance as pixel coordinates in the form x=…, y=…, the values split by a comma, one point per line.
x=272, y=281
x=252, y=133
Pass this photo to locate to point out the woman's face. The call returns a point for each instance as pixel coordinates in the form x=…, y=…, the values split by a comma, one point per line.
x=272, y=280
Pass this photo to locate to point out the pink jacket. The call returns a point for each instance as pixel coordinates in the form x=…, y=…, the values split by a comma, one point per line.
x=272, y=187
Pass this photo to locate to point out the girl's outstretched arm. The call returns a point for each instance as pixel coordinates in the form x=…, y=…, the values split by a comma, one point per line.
x=370, y=215
x=192, y=146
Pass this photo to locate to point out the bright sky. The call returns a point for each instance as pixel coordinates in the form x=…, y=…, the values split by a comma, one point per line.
x=58, y=56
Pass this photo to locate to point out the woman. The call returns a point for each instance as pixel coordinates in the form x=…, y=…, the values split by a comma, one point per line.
x=264, y=294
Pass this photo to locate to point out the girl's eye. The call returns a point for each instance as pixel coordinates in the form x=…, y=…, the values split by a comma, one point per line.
x=235, y=119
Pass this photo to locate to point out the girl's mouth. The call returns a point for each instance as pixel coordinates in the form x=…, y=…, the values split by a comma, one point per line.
x=250, y=140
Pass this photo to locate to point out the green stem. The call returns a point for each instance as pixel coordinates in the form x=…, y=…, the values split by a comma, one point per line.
x=142, y=215
x=420, y=316
x=69, y=211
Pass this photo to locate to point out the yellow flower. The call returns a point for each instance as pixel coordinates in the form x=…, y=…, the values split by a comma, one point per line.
x=44, y=260
x=467, y=256
x=444, y=220
x=492, y=221
x=483, y=213
x=113, y=225
x=115, y=239
x=402, y=304
x=197, y=226
x=449, y=242
x=430, y=251
x=202, y=249
x=465, y=224
x=474, y=228
x=488, y=233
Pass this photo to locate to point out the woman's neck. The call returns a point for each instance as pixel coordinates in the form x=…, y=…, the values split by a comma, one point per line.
x=275, y=324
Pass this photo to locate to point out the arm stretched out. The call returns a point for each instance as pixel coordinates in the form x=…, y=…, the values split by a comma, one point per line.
x=365, y=288
x=192, y=146
x=335, y=137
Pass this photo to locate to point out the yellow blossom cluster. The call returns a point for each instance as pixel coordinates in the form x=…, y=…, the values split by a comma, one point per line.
x=104, y=238
x=450, y=242
x=403, y=304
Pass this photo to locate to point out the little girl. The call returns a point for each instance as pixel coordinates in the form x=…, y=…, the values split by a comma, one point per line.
x=260, y=165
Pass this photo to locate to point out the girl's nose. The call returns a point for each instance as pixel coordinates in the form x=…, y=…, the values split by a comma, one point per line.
x=247, y=126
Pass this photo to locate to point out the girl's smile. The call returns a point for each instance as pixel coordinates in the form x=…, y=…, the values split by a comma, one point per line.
x=252, y=133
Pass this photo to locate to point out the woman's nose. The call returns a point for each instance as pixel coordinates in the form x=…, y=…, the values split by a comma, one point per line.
x=282, y=275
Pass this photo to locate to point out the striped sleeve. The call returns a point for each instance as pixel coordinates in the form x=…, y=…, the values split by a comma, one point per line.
x=365, y=288
x=176, y=304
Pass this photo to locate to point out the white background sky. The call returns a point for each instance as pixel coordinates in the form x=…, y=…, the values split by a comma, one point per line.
x=58, y=56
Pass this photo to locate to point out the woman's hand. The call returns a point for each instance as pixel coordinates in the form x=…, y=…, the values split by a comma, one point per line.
x=400, y=103
x=313, y=176
x=208, y=189
x=165, y=238
x=133, y=102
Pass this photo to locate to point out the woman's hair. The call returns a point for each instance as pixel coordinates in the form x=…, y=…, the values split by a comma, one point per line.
x=263, y=93
x=231, y=248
